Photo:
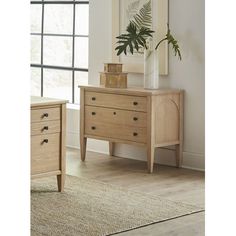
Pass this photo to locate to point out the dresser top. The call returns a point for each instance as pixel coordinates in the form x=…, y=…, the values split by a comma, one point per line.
x=38, y=101
x=131, y=90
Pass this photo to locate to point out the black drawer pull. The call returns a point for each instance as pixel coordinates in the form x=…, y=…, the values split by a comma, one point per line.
x=45, y=128
x=135, y=134
x=45, y=115
x=45, y=141
x=135, y=118
x=135, y=103
x=93, y=98
x=93, y=127
x=114, y=113
x=93, y=113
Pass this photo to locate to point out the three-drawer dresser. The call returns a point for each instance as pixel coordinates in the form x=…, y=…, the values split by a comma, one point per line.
x=150, y=118
x=48, y=127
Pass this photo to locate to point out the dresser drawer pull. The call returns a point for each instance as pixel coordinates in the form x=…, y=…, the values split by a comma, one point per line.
x=45, y=128
x=135, y=103
x=114, y=113
x=45, y=115
x=135, y=134
x=45, y=141
x=93, y=98
x=93, y=113
x=135, y=118
x=93, y=127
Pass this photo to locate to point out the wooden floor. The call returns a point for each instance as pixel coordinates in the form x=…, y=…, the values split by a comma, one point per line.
x=182, y=185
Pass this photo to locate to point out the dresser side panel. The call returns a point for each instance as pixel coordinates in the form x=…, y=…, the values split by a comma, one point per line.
x=166, y=111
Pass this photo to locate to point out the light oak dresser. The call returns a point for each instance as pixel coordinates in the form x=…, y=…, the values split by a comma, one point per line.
x=48, y=127
x=150, y=118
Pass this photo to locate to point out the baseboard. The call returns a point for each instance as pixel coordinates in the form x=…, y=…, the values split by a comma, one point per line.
x=194, y=161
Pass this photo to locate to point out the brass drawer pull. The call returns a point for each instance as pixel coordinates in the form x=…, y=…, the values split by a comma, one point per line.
x=93, y=113
x=45, y=128
x=135, y=134
x=93, y=98
x=135, y=118
x=135, y=103
x=45, y=141
x=93, y=127
x=45, y=115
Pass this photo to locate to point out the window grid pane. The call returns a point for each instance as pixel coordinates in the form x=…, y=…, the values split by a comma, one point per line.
x=58, y=18
x=57, y=84
x=58, y=50
x=35, y=81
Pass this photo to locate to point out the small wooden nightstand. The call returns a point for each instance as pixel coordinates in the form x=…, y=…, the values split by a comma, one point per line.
x=48, y=132
x=151, y=118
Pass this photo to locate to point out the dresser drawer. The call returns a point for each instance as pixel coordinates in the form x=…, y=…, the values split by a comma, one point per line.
x=45, y=127
x=122, y=132
x=45, y=114
x=45, y=153
x=115, y=116
x=127, y=102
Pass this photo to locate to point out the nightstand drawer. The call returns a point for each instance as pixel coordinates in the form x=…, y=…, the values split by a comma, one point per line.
x=45, y=114
x=122, y=132
x=46, y=127
x=134, y=103
x=115, y=116
x=45, y=153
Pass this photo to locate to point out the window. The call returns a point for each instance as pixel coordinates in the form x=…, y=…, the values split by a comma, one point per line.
x=59, y=48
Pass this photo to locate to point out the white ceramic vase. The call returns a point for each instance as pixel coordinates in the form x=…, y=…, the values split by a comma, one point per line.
x=151, y=69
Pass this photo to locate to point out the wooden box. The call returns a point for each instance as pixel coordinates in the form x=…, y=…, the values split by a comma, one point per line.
x=113, y=80
x=112, y=67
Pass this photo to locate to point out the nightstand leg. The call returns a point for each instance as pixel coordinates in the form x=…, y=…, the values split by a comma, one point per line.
x=83, y=143
x=150, y=158
x=179, y=155
x=111, y=148
x=61, y=182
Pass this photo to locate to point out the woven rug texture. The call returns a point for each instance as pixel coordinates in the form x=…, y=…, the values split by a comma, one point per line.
x=91, y=208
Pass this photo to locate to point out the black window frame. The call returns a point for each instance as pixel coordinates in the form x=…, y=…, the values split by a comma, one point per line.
x=73, y=35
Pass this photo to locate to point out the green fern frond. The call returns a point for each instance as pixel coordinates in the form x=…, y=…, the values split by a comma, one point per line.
x=143, y=19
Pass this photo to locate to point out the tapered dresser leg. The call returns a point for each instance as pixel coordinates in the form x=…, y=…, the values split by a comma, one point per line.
x=83, y=144
x=179, y=155
x=111, y=148
x=150, y=158
x=61, y=182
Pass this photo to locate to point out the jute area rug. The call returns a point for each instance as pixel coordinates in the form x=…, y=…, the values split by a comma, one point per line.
x=92, y=208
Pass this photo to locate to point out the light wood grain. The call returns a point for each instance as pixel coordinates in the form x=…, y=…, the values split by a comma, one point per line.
x=61, y=177
x=83, y=139
x=133, y=116
x=133, y=103
x=45, y=156
x=45, y=114
x=166, y=118
x=131, y=133
x=111, y=148
x=135, y=91
x=36, y=101
x=115, y=116
x=150, y=135
x=179, y=148
x=176, y=184
x=46, y=127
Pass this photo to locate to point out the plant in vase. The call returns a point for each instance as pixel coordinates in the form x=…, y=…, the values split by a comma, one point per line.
x=138, y=38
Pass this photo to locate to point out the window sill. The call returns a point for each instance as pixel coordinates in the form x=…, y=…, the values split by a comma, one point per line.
x=73, y=106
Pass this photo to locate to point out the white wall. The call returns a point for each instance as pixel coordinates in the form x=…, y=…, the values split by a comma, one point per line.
x=186, y=18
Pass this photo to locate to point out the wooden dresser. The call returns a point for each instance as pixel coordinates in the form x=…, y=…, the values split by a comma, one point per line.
x=151, y=118
x=48, y=127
